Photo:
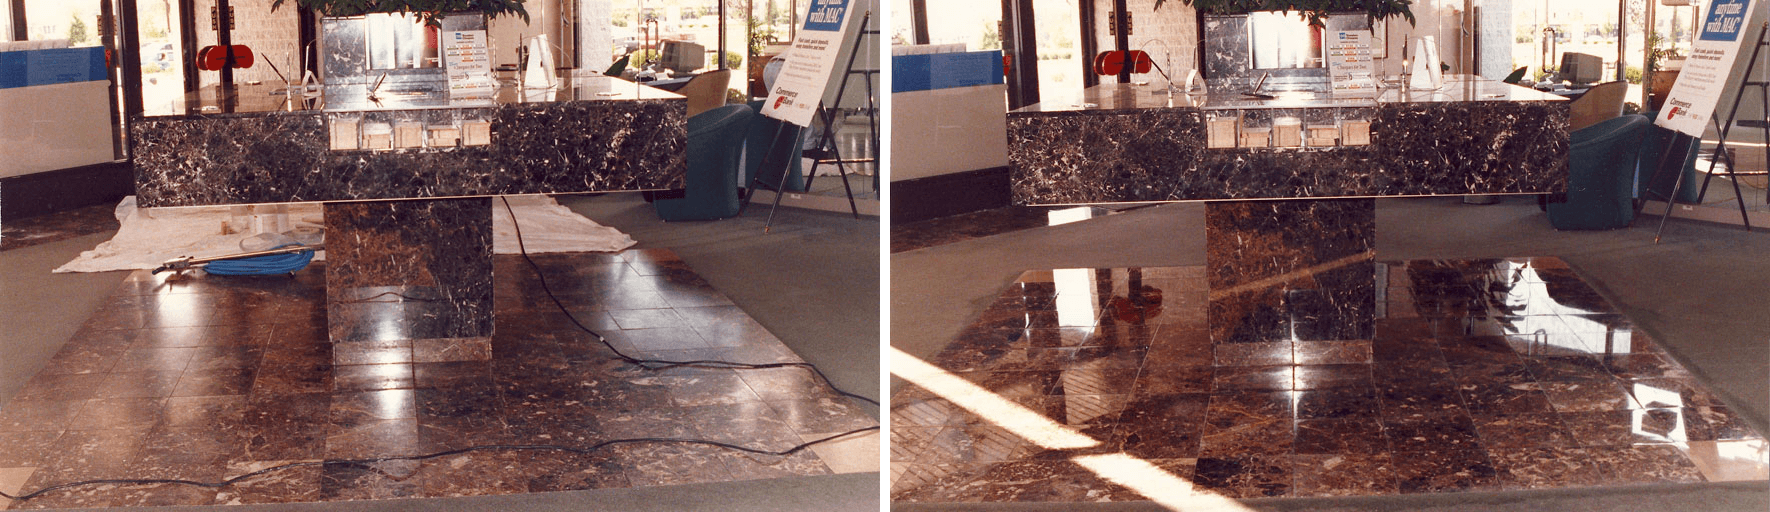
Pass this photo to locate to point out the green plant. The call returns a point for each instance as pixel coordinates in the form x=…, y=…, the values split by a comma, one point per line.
x=77, y=31
x=431, y=11
x=1658, y=51
x=733, y=60
x=1312, y=10
x=643, y=57
x=761, y=35
x=1632, y=74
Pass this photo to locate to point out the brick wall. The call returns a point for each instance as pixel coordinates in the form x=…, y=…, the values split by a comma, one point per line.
x=1170, y=35
x=272, y=36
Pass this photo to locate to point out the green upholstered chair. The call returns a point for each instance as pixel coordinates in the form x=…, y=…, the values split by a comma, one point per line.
x=761, y=136
x=715, y=139
x=1516, y=76
x=1601, y=175
x=1657, y=142
x=620, y=66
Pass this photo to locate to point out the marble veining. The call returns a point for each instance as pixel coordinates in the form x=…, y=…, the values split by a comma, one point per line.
x=1475, y=375
x=247, y=381
x=1138, y=145
x=571, y=142
x=409, y=270
x=1291, y=270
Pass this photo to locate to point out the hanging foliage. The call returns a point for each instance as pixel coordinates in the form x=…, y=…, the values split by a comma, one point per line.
x=1312, y=10
x=431, y=11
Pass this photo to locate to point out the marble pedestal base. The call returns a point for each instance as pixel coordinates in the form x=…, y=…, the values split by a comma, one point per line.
x=409, y=281
x=1293, y=270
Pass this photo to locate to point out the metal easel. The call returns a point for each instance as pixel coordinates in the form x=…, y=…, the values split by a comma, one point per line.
x=826, y=151
x=1721, y=153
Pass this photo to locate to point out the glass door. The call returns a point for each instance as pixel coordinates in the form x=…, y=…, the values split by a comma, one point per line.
x=159, y=39
x=1058, y=49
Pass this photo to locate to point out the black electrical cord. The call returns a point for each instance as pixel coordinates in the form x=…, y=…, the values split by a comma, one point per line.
x=651, y=364
x=369, y=463
x=402, y=298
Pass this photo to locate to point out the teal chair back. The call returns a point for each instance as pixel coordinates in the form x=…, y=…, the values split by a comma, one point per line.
x=715, y=139
x=1601, y=175
x=759, y=141
x=620, y=66
x=1516, y=76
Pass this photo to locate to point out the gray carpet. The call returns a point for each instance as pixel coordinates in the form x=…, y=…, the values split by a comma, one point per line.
x=1702, y=292
x=813, y=282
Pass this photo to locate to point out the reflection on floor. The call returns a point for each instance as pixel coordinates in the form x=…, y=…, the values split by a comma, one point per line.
x=1481, y=375
x=211, y=378
x=20, y=233
x=979, y=224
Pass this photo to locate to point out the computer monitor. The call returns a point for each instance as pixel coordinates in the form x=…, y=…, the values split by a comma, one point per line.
x=1580, y=68
x=683, y=56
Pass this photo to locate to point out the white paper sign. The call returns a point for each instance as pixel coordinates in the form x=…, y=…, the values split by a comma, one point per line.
x=1426, y=73
x=469, y=67
x=1708, y=70
x=808, y=73
x=1350, y=64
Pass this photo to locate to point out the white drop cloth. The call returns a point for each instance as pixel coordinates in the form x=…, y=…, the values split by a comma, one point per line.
x=151, y=236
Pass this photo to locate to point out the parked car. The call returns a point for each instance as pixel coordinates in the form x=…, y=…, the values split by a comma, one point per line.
x=157, y=56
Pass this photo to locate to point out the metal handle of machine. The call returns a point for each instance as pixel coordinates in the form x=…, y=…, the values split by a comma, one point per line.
x=184, y=263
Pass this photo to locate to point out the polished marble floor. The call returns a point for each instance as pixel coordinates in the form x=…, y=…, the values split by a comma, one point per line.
x=985, y=223
x=208, y=378
x=42, y=229
x=1481, y=375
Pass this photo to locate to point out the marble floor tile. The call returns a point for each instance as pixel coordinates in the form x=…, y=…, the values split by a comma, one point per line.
x=42, y=229
x=209, y=379
x=1644, y=464
x=1249, y=476
x=300, y=484
x=1341, y=436
x=1476, y=388
x=1545, y=468
x=1169, y=380
x=1040, y=480
x=1445, y=470
x=1343, y=475
x=1525, y=430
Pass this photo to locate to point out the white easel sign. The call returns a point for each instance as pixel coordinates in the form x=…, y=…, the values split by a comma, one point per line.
x=802, y=81
x=1708, y=70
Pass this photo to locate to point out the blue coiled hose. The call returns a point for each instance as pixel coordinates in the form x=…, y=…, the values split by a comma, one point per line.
x=261, y=265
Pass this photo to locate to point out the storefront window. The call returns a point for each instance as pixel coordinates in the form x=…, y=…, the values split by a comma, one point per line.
x=73, y=20
x=903, y=22
x=684, y=31
x=977, y=25
x=1545, y=32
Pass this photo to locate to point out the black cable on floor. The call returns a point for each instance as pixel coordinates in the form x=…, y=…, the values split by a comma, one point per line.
x=651, y=364
x=369, y=463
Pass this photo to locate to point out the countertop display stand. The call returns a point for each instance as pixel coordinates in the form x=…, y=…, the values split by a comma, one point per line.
x=1762, y=123
x=826, y=151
